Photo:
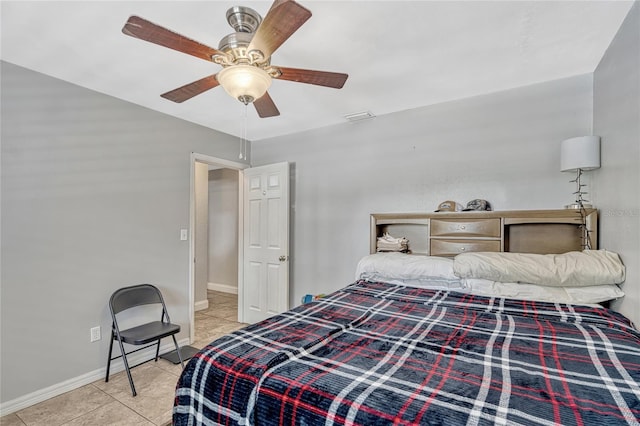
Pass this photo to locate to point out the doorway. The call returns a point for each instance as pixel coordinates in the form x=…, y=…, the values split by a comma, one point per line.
x=199, y=242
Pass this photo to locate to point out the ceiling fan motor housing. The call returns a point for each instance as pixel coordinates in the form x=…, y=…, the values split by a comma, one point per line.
x=243, y=19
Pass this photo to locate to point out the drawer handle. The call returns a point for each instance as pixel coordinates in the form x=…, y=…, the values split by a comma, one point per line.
x=462, y=227
x=462, y=248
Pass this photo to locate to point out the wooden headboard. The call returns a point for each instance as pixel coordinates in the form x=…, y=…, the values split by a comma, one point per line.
x=519, y=231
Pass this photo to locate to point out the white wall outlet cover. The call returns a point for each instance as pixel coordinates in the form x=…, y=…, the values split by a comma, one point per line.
x=95, y=334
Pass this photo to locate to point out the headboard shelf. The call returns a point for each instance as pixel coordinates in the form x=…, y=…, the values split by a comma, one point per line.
x=520, y=231
x=397, y=221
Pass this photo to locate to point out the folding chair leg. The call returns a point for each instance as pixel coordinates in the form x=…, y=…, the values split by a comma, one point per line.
x=158, y=349
x=126, y=367
x=175, y=342
x=106, y=378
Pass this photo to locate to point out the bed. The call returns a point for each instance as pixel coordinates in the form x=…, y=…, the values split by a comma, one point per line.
x=428, y=340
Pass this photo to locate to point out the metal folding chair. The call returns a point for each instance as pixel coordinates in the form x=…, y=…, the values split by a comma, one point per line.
x=147, y=333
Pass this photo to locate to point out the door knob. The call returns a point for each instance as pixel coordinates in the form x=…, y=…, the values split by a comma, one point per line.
x=282, y=258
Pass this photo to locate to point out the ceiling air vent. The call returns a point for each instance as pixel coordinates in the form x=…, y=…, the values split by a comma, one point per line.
x=359, y=116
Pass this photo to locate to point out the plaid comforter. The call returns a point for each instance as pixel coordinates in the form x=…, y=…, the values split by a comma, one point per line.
x=376, y=354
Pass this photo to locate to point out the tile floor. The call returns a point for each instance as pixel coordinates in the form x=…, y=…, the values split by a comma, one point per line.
x=111, y=403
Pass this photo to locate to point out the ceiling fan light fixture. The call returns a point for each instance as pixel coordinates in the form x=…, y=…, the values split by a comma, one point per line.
x=244, y=82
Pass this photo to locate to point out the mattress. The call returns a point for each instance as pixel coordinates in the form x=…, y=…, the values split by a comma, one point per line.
x=381, y=353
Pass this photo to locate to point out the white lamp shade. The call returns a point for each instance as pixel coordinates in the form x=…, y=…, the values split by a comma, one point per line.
x=244, y=81
x=582, y=152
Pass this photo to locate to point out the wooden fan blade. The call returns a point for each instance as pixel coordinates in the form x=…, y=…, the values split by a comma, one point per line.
x=266, y=107
x=141, y=28
x=190, y=90
x=319, y=78
x=282, y=20
x=277, y=3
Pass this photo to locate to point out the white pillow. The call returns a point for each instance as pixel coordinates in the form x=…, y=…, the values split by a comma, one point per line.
x=431, y=283
x=524, y=291
x=407, y=269
x=586, y=268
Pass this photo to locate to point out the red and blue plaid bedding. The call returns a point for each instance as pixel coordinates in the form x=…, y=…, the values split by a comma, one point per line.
x=376, y=354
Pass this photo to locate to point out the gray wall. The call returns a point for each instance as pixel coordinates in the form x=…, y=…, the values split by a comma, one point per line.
x=503, y=147
x=223, y=228
x=616, y=184
x=94, y=193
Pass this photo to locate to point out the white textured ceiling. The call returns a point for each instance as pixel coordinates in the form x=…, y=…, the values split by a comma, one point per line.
x=399, y=55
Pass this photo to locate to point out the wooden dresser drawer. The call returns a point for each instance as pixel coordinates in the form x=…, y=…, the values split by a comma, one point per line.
x=466, y=228
x=454, y=247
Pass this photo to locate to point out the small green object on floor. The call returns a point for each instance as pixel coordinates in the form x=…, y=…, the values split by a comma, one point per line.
x=187, y=353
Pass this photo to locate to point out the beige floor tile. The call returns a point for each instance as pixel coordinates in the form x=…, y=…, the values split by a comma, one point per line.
x=226, y=311
x=142, y=375
x=231, y=326
x=220, y=309
x=200, y=315
x=175, y=369
x=224, y=301
x=210, y=328
x=65, y=407
x=11, y=420
x=231, y=315
x=207, y=326
x=112, y=414
x=155, y=388
x=221, y=331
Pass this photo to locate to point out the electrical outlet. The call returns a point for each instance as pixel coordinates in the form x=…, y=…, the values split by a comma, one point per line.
x=95, y=334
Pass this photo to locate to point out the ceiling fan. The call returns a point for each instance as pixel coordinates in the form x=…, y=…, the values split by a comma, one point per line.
x=245, y=55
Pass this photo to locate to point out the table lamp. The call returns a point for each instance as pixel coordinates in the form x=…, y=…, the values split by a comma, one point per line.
x=578, y=155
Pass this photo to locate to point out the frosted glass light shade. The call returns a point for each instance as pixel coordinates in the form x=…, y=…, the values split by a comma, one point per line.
x=582, y=152
x=244, y=82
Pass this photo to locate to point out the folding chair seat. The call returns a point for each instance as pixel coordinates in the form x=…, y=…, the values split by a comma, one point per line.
x=147, y=333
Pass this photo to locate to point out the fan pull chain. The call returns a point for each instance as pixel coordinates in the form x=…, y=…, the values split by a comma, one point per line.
x=243, y=134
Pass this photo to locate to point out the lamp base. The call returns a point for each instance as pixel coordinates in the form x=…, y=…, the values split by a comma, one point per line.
x=578, y=206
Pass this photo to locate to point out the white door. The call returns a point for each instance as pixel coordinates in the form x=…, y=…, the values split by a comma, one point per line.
x=265, y=291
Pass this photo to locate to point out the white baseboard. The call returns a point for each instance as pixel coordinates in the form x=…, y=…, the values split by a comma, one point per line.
x=84, y=379
x=225, y=288
x=201, y=305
